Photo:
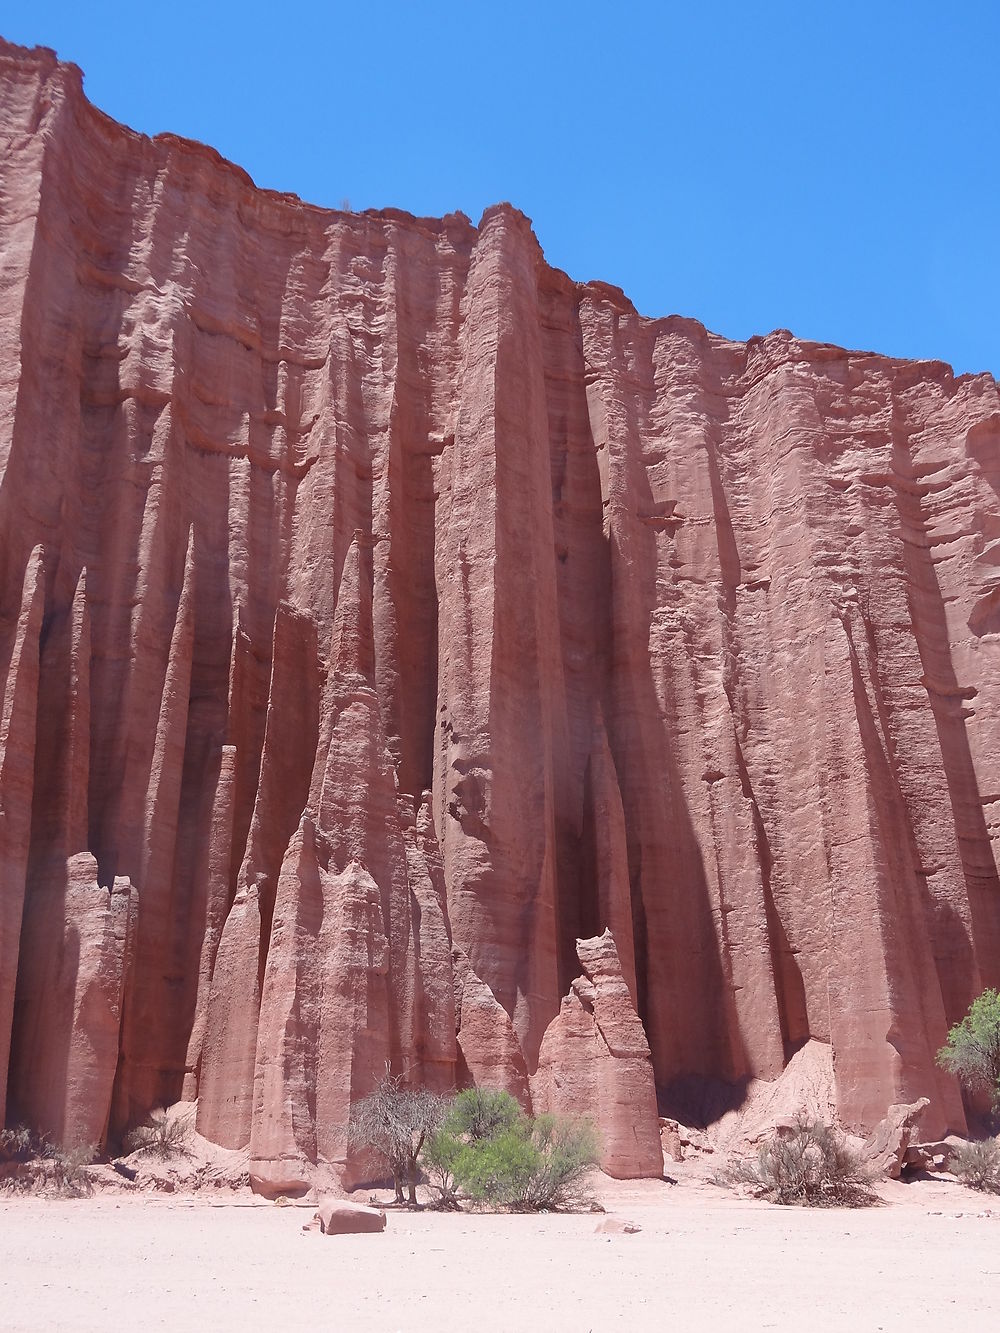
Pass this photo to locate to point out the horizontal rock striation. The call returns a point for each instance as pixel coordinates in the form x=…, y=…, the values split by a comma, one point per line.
x=382, y=611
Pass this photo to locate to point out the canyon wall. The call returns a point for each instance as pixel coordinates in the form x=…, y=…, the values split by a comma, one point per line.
x=382, y=611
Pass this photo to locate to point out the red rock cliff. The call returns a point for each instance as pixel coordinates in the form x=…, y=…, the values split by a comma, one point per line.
x=381, y=611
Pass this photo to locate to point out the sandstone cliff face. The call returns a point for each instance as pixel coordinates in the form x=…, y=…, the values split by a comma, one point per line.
x=370, y=591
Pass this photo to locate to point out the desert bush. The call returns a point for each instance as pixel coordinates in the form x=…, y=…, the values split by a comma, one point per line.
x=17, y=1148
x=476, y=1116
x=394, y=1121
x=972, y=1051
x=978, y=1165
x=66, y=1168
x=489, y=1152
x=30, y=1162
x=569, y=1150
x=483, y=1113
x=16, y=1145
x=162, y=1136
x=439, y=1159
x=812, y=1166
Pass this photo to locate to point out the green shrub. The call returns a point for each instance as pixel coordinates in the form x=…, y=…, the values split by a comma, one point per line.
x=812, y=1166
x=569, y=1150
x=489, y=1152
x=497, y=1171
x=483, y=1113
x=972, y=1051
x=978, y=1165
x=440, y=1158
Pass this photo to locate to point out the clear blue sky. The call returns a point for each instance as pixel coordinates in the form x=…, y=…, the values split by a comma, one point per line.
x=833, y=168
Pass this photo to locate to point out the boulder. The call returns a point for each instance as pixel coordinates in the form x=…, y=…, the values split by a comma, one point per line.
x=932, y=1157
x=885, y=1150
x=918, y=1158
x=340, y=1217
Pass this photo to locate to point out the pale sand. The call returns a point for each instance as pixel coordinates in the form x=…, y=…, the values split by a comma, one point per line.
x=703, y=1260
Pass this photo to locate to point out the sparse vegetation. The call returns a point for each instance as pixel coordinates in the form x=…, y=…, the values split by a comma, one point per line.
x=16, y=1145
x=394, y=1121
x=978, y=1165
x=489, y=1152
x=67, y=1167
x=164, y=1136
x=31, y=1162
x=811, y=1165
x=972, y=1051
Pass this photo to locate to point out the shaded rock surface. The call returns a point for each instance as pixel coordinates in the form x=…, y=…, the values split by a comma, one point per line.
x=374, y=596
x=932, y=1157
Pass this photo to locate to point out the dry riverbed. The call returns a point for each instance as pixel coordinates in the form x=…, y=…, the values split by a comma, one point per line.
x=929, y=1259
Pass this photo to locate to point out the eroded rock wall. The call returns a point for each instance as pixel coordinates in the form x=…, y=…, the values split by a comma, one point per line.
x=372, y=596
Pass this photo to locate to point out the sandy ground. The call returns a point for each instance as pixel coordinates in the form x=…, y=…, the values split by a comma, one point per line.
x=930, y=1259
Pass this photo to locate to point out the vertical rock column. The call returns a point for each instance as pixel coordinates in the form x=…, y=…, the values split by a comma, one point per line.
x=145, y=1078
x=17, y=759
x=428, y=1051
x=77, y=937
x=329, y=1015
x=211, y=908
x=232, y=1005
x=595, y=1063
x=489, y=1048
x=98, y=953
x=499, y=753
x=884, y=970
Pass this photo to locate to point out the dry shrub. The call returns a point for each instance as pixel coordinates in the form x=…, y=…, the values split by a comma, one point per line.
x=17, y=1169
x=811, y=1166
x=163, y=1136
x=393, y=1122
x=67, y=1168
x=978, y=1165
x=16, y=1145
x=29, y=1164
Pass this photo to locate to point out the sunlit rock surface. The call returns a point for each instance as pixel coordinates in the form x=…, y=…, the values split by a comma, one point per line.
x=382, y=611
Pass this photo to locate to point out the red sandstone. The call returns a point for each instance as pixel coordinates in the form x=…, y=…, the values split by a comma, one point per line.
x=594, y=1062
x=382, y=611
